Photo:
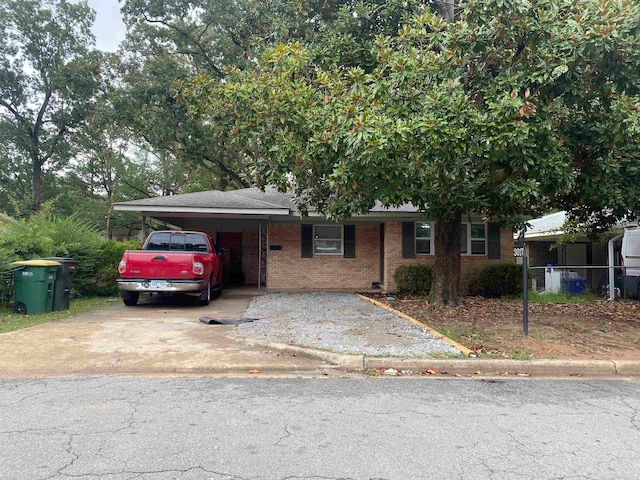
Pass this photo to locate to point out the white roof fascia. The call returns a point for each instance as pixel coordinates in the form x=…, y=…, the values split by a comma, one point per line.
x=549, y=234
x=228, y=211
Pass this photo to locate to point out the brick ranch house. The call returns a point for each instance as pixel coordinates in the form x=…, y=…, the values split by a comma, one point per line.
x=267, y=240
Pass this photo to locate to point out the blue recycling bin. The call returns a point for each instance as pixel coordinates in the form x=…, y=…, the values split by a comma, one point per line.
x=575, y=286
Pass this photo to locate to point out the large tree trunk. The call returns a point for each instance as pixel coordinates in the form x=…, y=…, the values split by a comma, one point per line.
x=446, y=272
x=37, y=185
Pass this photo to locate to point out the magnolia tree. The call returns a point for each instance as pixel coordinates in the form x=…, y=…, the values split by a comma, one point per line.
x=516, y=107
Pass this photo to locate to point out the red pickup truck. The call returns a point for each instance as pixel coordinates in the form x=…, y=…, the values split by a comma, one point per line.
x=172, y=262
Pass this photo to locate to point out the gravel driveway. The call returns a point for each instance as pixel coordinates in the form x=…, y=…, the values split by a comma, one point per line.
x=339, y=322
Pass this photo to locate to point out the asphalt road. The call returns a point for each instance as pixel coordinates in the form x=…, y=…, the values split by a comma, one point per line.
x=324, y=428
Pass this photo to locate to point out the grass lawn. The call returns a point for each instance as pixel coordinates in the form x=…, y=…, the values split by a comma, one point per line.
x=536, y=297
x=10, y=321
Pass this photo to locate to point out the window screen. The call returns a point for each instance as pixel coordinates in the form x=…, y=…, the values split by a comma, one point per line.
x=327, y=240
x=423, y=238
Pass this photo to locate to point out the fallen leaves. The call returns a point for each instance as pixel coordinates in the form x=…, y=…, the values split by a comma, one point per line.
x=493, y=327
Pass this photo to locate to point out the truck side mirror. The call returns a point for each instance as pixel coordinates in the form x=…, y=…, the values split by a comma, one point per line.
x=222, y=252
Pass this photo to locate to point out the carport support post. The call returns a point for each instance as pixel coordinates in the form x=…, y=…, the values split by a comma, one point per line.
x=144, y=228
x=525, y=297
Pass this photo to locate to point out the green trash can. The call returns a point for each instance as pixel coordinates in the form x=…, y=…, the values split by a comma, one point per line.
x=34, y=280
x=64, y=278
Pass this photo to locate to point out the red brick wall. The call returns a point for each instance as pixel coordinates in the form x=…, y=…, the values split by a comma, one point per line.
x=286, y=270
x=470, y=265
x=250, y=259
x=250, y=249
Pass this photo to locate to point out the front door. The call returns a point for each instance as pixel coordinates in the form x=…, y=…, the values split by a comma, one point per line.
x=232, y=245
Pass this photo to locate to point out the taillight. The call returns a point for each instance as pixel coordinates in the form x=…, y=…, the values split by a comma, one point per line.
x=198, y=268
x=122, y=267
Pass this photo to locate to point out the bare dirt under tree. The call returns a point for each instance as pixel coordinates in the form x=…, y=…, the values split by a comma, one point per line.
x=494, y=327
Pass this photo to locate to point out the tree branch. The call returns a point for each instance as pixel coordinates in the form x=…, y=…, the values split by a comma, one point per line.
x=233, y=175
x=199, y=46
x=145, y=193
x=43, y=108
x=18, y=116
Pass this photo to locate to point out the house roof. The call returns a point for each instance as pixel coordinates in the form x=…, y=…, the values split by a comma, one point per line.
x=247, y=202
x=232, y=200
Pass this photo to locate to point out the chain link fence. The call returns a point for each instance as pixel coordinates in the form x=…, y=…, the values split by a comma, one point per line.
x=582, y=279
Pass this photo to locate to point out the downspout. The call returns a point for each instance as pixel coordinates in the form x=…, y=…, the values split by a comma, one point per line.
x=612, y=287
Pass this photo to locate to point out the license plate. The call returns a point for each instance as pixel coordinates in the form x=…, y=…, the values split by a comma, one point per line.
x=159, y=284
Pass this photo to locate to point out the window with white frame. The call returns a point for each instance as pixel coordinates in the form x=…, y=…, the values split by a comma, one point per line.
x=327, y=240
x=473, y=239
x=424, y=239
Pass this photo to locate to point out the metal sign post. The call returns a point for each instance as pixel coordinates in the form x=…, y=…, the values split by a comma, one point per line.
x=519, y=251
x=520, y=244
x=525, y=298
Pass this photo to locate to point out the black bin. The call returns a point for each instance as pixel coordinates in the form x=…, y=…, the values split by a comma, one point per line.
x=64, y=277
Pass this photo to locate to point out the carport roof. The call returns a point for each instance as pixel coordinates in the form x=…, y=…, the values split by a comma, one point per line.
x=550, y=227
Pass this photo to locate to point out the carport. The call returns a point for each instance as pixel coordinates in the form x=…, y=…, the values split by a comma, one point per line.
x=236, y=221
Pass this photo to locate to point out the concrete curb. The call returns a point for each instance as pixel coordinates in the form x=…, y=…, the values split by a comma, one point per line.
x=629, y=368
x=473, y=366
x=544, y=368
x=465, y=351
x=353, y=363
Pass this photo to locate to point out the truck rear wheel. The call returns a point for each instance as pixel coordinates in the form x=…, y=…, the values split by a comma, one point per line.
x=130, y=299
x=205, y=296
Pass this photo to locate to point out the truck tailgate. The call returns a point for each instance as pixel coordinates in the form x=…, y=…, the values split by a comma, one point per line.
x=158, y=264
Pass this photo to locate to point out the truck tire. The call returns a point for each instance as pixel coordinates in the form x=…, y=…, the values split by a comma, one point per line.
x=217, y=291
x=205, y=296
x=130, y=299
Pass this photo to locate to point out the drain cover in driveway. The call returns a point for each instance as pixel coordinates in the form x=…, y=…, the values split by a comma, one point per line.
x=225, y=321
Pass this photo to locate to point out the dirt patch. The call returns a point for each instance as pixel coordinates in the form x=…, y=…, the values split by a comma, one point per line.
x=493, y=327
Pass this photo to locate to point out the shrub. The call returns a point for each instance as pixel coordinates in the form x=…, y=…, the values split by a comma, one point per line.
x=107, y=267
x=45, y=235
x=413, y=278
x=6, y=275
x=498, y=281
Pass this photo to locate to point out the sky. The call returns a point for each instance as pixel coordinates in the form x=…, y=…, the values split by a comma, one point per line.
x=108, y=27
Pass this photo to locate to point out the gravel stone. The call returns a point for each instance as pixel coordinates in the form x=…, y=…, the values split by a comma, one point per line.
x=339, y=322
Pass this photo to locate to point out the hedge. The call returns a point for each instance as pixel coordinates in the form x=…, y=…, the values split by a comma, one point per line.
x=413, y=278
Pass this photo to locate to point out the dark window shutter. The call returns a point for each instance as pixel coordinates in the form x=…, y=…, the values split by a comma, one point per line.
x=493, y=250
x=306, y=241
x=408, y=240
x=349, y=241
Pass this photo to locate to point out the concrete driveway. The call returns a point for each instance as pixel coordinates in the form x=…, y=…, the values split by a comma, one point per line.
x=155, y=338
